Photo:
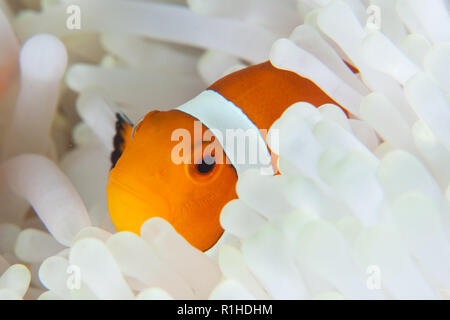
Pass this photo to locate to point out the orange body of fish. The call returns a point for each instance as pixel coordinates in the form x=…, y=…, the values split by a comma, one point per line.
x=145, y=182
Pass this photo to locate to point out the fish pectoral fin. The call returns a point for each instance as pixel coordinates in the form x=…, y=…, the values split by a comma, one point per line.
x=124, y=129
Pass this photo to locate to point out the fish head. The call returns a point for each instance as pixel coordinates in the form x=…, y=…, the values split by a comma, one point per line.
x=168, y=170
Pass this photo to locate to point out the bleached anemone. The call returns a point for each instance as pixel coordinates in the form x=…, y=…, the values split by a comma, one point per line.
x=361, y=208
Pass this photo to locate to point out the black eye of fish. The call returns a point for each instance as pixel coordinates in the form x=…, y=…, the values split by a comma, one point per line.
x=206, y=165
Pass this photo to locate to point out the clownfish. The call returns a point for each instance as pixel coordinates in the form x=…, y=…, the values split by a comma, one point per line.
x=144, y=181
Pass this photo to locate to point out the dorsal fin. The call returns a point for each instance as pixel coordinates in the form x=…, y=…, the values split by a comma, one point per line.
x=263, y=92
x=124, y=127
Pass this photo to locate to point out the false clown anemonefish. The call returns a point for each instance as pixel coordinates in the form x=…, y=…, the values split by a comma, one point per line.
x=144, y=182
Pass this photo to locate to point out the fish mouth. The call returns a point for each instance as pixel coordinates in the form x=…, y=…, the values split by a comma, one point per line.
x=130, y=208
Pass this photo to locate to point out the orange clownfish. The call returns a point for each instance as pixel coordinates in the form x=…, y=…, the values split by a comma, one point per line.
x=145, y=182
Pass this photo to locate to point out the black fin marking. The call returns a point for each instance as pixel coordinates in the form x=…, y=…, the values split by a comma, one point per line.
x=118, y=141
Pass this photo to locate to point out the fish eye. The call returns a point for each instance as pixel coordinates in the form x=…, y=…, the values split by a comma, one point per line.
x=207, y=165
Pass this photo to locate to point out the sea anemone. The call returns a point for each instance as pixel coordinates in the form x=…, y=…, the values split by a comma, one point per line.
x=361, y=209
